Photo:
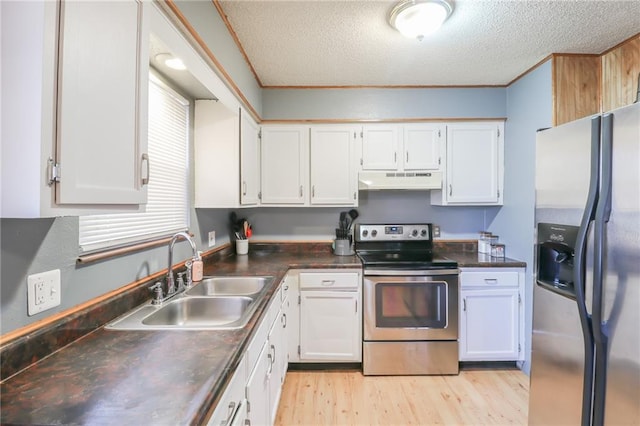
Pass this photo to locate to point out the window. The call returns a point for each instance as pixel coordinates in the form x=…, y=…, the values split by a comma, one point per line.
x=167, y=209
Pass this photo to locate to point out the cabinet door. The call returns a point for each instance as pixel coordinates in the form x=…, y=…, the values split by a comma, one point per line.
x=257, y=390
x=249, y=161
x=422, y=146
x=330, y=326
x=333, y=174
x=102, y=103
x=489, y=326
x=284, y=155
x=474, y=163
x=380, y=147
x=278, y=348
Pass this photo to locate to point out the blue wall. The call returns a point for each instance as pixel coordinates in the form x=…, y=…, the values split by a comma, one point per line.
x=372, y=104
x=529, y=107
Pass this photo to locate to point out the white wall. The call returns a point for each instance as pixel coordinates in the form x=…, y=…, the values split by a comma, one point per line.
x=529, y=108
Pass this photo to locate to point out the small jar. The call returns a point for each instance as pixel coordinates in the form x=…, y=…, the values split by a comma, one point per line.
x=483, y=243
x=497, y=251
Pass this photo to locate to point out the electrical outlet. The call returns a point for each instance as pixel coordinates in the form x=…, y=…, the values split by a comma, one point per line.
x=436, y=231
x=43, y=291
x=212, y=238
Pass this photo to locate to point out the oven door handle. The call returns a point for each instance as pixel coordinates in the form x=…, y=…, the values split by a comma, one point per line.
x=411, y=273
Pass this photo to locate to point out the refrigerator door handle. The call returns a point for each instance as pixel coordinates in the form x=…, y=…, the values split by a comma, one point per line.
x=580, y=267
x=603, y=212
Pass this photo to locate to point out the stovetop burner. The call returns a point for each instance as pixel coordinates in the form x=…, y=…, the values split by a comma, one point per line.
x=401, y=247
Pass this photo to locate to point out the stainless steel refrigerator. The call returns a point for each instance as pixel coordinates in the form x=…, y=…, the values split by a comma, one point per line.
x=586, y=307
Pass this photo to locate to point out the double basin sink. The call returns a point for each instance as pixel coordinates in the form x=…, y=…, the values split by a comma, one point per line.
x=216, y=303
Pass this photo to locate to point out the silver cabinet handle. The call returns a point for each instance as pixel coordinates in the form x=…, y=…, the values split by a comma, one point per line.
x=328, y=283
x=284, y=320
x=313, y=191
x=450, y=189
x=232, y=409
x=464, y=305
x=301, y=191
x=407, y=156
x=354, y=195
x=244, y=187
x=395, y=157
x=491, y=280
x=145, y=160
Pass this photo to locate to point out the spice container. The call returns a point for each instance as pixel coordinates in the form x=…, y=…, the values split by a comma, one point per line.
x=497, y=250
x=485, y=241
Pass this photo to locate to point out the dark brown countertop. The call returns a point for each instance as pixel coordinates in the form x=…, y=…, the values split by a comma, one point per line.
x=476, y=260
x=159, y=377
x=147, y=377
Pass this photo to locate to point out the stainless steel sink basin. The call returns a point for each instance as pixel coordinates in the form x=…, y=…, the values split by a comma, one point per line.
x=216, y=303
x=237, y=286
x=200, y=312
x=190, y=313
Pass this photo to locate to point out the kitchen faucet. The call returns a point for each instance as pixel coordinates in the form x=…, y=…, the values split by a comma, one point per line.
x=170, y=282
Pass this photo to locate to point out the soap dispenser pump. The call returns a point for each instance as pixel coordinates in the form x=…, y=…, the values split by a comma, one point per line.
x=197, y=268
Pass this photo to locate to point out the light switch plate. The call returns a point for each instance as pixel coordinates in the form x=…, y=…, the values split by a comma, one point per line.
x=212, y=238
x=43, y=291
x=436, y=231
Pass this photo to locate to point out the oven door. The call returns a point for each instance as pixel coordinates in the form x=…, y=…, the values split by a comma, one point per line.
x=409, y=307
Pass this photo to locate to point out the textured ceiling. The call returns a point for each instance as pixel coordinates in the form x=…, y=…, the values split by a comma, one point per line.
x=350, y=43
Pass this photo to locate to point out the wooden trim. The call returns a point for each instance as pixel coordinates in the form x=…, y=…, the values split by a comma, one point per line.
x=620, y=44
x=223, y=15
x=542, y=61
x=408, y=86
x=85, y=259
x=217, y=66
x=382, y=120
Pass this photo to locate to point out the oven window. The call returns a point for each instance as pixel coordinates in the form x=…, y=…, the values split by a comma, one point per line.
x=411, y=305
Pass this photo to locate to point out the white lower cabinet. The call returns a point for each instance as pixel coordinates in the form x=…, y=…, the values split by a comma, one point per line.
x=491, y=314
x=267, y=363
x=330, y=316
x=231, y=407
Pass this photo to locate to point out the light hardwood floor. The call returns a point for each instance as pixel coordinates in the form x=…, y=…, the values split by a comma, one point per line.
x=475, y=397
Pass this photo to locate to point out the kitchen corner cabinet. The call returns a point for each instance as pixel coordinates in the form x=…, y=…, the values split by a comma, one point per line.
x=474, y=165
x=396, y=147
x=76, y=136
x=491, y=314
x=249, y=160
x=226, y=159
x=333, y=173
x=330, y=316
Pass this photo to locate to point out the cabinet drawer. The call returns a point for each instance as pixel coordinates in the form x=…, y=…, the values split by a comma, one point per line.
x=332, y=280
x=488, y=279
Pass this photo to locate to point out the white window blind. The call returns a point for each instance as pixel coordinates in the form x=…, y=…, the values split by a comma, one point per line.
x=167, y=209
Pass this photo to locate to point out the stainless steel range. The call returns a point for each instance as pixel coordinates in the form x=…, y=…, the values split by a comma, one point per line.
x=410, y=302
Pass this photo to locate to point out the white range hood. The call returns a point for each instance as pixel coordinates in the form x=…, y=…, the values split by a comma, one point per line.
x=373, y=181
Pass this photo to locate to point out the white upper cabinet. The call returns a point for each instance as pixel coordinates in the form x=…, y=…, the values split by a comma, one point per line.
x=216, y=155
x=422, y=146
x=380, y=146
x=284, y=155
x=333, y=171
x=76, y=76
x=401, y=147
x=249, y=160
x=474, y=165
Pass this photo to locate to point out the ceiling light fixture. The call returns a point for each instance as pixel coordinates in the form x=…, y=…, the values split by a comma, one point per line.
x=171, y=61
x=418, y=18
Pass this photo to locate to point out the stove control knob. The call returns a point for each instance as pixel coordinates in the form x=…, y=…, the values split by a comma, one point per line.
x=414, y=233
x=423, y=233
x=374, y=233
x=365, y=233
